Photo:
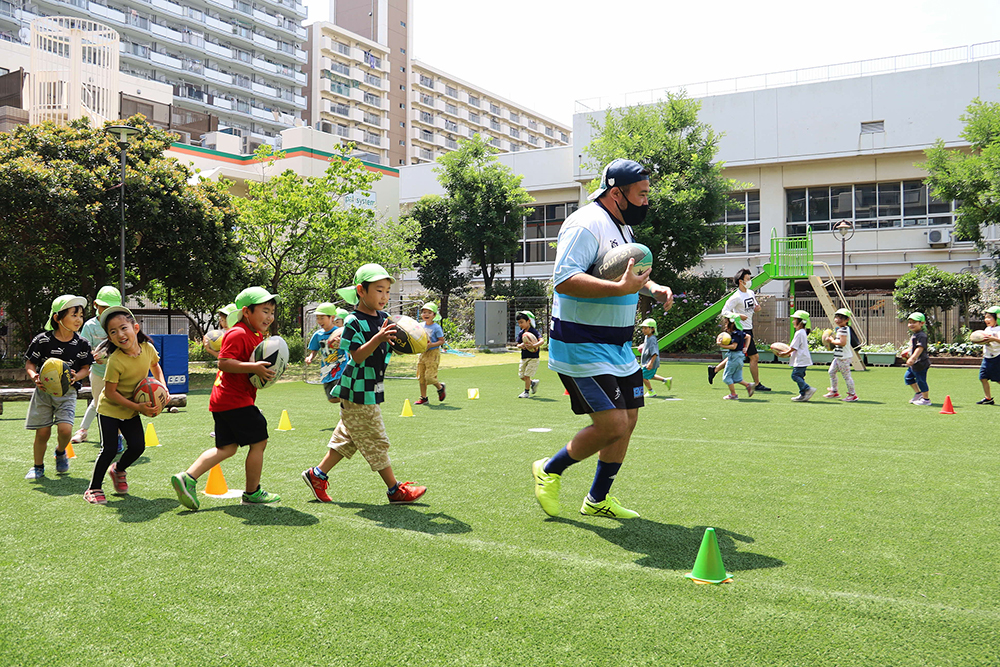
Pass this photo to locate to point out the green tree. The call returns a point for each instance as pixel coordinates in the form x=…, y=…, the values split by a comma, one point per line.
x=61, y=219
x=928, y=289
x=487, y=205
x=971, y=175
x=444, y=252
x=689, y=193
x=305, y=239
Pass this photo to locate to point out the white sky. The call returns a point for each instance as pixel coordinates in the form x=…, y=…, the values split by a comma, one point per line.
x=546, y=54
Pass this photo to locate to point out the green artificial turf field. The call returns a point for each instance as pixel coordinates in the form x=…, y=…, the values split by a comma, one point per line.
x=856, y=534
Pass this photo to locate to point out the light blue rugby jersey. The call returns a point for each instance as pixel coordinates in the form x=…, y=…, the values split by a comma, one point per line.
x=590, y=336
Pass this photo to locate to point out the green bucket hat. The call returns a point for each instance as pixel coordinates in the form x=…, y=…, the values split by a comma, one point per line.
x=846, y=313
x=366, y=273
x=108, y=296
x=251, y=296
x=527, y=313
x=649, y=322
x=433, y=307
x=61, y=303
x=995, y=310
x=916, y=317
x=109, y=311
x=228, y=311
x=326, y=308
x=804, y=316
x=341, y=314
x=735, y=319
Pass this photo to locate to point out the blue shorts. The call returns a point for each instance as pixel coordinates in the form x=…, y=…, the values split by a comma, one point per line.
x=918, y=378
x=990, y=369
x=734, y=371
x=650, y=374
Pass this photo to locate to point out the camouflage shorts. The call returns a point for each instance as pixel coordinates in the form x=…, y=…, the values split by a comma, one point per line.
x=427, y=366
x=361, y=429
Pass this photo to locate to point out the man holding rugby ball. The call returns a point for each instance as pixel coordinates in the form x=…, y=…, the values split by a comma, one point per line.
x=590, y=341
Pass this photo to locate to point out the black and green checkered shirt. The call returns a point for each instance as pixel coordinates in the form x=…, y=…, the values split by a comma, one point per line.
x=363, y=383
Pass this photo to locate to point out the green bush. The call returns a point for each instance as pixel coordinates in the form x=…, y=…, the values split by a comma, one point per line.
x=296, y=350
x=455, y=337
x=196, y=352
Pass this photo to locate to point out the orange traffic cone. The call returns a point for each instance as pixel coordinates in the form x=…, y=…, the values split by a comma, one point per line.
x=947, y=409
x=216, y=482
x=70, y=454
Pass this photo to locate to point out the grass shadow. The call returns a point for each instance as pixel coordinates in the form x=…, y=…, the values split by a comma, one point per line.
x=61, y=485
x=135, y=509
x=544, y=400
x=442, y=406
x=255, y=515
x=405, y=517
x=673, y=547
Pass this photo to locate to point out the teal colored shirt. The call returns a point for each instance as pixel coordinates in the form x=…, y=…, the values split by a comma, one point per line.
x=93, y=333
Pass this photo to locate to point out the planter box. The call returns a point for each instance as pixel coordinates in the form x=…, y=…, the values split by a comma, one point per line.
x=765, y=356
x=821, y=358
x=880, y=358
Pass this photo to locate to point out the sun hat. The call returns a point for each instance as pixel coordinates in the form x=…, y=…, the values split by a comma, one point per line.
x=433, y=307
x=341, y=314
x=916, y=317
x=366, y=273
x=61, y=303
x=735, y=319
x=846, y=313
x=251, y=296
x=649, y=322
x=802, y=315
x=112, y=310
x=995, y=310
x=326, y=308
x=108, y=296
x=527, y=314
x=620, y=172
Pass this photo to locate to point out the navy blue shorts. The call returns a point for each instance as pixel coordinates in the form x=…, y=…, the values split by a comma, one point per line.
x=604, y=392
x=242, y=426
x=990, y=369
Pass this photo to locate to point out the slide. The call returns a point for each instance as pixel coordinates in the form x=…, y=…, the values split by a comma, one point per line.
x=712, y=311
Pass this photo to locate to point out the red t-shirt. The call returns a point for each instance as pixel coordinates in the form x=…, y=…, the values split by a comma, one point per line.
x=233, y=390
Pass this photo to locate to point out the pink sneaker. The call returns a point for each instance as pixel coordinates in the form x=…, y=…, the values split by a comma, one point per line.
x=831, y=394
x=850, y=398
x=95, y=497
x=730, y=397
x=117, y=479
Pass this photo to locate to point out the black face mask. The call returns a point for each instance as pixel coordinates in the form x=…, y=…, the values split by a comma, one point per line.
x=634, y=214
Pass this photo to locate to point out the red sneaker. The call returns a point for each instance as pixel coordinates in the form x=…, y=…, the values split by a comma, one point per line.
x=421, y=401
x=117, y=479
x=441, y=393
x=407, y=494
x=95, y=497
x=317, y=485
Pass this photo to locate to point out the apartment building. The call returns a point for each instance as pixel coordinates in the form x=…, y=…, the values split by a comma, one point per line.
x=348, y=95
x=444, y=109
x=240, y=61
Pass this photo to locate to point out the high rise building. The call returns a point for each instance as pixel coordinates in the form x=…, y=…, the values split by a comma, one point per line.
x=237, y=60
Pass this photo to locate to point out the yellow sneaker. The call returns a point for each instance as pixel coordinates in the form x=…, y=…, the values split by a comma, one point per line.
x=546, y=487
x=609, y=507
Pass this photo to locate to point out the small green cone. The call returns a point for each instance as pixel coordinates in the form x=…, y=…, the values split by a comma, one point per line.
x=708, y=567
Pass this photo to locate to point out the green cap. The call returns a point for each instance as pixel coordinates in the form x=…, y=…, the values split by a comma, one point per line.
x=916, y=317
x=735, y=319
x=251, y=296
x=526, y=313
x=433, y=307
x=108, y=296
x=802, y=315
x=366, y=273
x=61, y=303
x=846, y=313
x=995, y=310
x=327, y=308
x=111, y=310
x=649, y=322
x=341, y=314
x=228, y=310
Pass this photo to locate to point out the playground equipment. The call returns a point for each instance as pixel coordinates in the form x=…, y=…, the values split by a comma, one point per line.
x=791, y=259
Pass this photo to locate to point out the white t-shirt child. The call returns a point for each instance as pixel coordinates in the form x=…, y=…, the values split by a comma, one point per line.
x=800, y=350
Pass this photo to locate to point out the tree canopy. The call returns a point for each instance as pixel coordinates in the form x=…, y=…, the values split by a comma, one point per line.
x=444, y=252
x=61, y=219
x=927, y=289
x=487, y=205
x=688, y=192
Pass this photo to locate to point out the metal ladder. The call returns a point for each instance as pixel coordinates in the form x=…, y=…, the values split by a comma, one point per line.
x=820, y=286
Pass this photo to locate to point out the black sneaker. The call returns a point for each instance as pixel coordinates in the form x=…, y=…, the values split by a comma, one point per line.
x=711, y=374
x=985, y=401
x=761, y=387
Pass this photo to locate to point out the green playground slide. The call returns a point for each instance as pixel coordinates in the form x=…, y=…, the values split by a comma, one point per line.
x=712, y=311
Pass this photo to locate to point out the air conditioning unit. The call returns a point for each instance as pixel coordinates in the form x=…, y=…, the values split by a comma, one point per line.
x=938, y=237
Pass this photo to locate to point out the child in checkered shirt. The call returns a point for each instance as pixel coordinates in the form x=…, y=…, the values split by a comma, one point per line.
x=367, y=332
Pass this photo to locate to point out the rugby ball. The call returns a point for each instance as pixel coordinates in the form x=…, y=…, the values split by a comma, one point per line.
x=529, y=340
x=724, y=338
x=149, y=390
x=827, y=336
x=273, y=350
x=611, y=265
x=55, y=375
x=781, y=349
x=410, y=336
x=977, y=336
x=214, y=339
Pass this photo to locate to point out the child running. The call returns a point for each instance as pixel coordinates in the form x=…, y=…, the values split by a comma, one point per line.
x=801, y=359
x=130, y=358
x=529, y=355
x=427, y=364
x=367, y=332
x=843, y=355
x=650, y=357
x=238, y=421
x=94, y=334
x=60, y=340
x=326, y=342
x=917, y=361
x=739, y=341
x=989, y=370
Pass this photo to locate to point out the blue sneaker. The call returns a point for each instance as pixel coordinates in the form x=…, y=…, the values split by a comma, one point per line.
x=121, y=443
x=35, y=472
x=62, y=463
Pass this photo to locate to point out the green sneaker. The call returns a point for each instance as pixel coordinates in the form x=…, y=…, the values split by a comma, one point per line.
x=546, y=487
x=186, y=487
x=260, y=497
x=609, y=507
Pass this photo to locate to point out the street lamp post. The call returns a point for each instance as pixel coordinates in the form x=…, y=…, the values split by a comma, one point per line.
x=123, y=136
x=845, y=230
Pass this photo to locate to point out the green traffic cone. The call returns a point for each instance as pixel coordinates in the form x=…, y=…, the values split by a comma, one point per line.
x=708, y=567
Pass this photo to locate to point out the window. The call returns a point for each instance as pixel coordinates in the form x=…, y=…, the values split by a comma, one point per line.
x=742, y=220
x=402, y=86
x=376, y=81
x=450, y=91
x=402, y=69
x=451, y=126
x=473, y=118
x=515, y=118
x=563, y=137
x=474, y=101
x=494, y=125
x=402, y=123
x=340, y=67
x=494, y=109
x=451, y=143
x=514, y=148
x=541, y=229
x=533, y=140
x=402, y=50
x=402, y=24
x=514, y=132
x=426, y=154
x=427, y=99
x=373, y=119
x=426, y=81
x=427, y=135
x=340, y=109
x=426, y=118
x=342, y=48
x=451, y=108
x=373, y=100
x=402, y=142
